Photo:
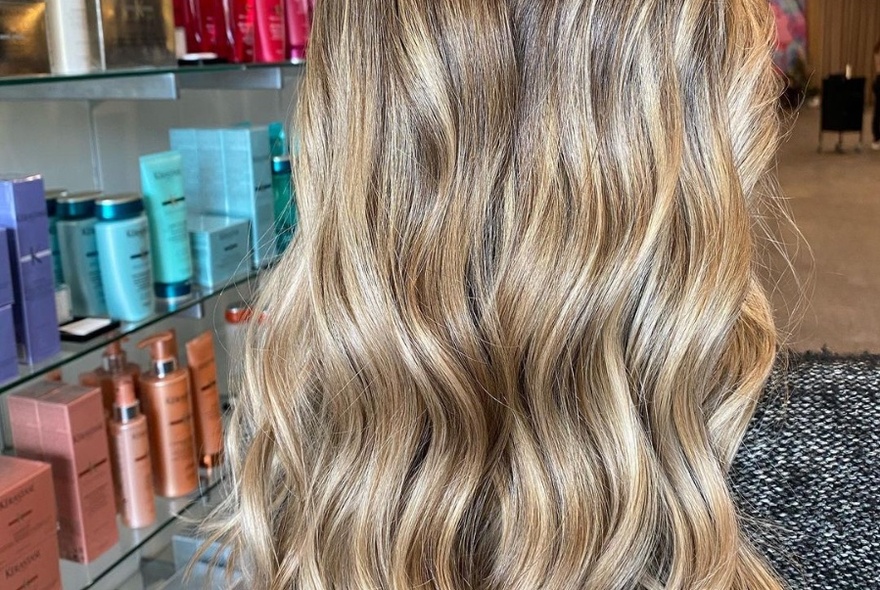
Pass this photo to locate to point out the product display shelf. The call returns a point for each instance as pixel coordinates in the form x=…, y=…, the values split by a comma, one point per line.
x=132, y=555
x=158, y=568
x=185, y=306
x=148, y=83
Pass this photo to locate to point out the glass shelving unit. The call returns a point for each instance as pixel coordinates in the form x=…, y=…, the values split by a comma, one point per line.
x=133, y=559
x=142, y=559
x=148, y=83
x=182, y=307
x=110, y=571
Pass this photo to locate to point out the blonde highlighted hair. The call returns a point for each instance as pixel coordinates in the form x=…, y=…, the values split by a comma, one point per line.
x=520, y=333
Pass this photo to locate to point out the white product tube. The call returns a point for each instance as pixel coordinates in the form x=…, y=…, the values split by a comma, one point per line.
x=71, y=47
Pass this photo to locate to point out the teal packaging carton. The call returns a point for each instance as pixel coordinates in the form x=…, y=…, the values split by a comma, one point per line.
x=212, y=187
x=221, y=249
x=247, y=172
x=185, y=142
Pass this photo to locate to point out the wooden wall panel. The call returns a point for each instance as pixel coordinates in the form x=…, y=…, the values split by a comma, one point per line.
x=842, y=32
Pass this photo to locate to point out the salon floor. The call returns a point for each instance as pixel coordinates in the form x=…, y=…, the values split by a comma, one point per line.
x=835, y=202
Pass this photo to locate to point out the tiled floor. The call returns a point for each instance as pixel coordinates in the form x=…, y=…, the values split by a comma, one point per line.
x=835, y=202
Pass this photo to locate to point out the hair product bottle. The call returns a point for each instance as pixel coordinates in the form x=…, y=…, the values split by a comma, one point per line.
x=270, y=43
x=52, y=197
x=123, y=237
x=232, y=341
x=165, y=201
x=299, y=24
x=285, y=206
x=79, y=253
x=206, y=399
x=130, y=453
x=241, y=26
x=114, y=364
x=167, y=405
x=215, y=33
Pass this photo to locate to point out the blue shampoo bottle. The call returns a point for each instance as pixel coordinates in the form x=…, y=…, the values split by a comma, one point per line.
x=79, y=253
x=123, y=236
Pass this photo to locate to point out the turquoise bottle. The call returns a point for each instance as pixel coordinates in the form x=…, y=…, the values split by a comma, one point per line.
x=79, y=253
x=285, y=204
x=52, y=197
x=123, y=236
x=165, y=203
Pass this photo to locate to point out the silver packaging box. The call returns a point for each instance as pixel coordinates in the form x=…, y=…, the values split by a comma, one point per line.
x=137, y=33
x=24, y=48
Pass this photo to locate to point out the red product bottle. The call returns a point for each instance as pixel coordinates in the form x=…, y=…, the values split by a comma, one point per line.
x=241, y=30
x=214, y=32
x=189, y=11
x=297, y=13
x=271, y=41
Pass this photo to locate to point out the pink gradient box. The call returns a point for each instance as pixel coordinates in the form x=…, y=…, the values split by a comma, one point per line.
x=65, y=427
x=28, y=526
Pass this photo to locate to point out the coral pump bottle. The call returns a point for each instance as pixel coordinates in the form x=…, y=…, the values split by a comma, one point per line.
x=130, y=451
x=167, y=405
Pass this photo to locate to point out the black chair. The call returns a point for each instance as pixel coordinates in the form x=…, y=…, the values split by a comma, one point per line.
x=843, y=108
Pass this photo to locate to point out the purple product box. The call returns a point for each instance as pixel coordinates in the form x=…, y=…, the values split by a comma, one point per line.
x=6, y=295
x=8, y=353
x=23, y=214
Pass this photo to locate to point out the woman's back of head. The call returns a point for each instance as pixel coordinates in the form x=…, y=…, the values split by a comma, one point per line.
x=519, y=335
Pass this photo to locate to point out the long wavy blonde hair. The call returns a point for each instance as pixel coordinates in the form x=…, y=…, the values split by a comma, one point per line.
x=520, y=333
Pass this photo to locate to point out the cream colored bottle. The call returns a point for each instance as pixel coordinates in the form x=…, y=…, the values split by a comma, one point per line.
x=167, y=405
x=206, y=399
x=130, y=452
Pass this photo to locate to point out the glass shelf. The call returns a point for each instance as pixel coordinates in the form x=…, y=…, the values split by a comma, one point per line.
x=147, y=83
x=71, y=351
x=123, y=560
x=159, y=567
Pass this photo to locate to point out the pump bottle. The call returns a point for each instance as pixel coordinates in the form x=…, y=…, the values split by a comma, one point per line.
x=167, y=403
x=130, y=452
x=114, y=364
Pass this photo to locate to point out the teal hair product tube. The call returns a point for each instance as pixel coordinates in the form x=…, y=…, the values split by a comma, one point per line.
x=123, y=236
x=79, y=253
x=277, y=140
x=165, y=202
x=285, y=205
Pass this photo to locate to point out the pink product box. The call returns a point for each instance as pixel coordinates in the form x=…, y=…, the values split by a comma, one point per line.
x=64, y=426
x=28, y=526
